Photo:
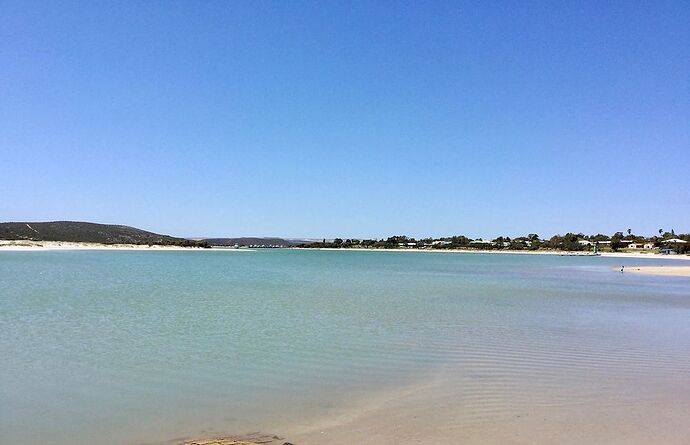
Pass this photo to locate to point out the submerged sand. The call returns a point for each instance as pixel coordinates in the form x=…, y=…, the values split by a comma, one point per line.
x=439, y=411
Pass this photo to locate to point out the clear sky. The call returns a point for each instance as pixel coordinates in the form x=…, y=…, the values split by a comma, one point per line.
x=352, y=119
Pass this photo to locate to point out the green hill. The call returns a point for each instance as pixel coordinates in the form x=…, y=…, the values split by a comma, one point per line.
x=250, y=241
x=86, y=232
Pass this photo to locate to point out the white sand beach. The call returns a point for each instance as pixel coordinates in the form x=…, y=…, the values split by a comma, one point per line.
x=28, y=246
x=669, y=271
x=39, y=246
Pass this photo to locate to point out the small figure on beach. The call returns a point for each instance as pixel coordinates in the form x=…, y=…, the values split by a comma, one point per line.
x=622, y=269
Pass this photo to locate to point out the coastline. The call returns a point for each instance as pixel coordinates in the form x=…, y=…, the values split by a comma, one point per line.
x=39, y=246
x=636, y=255
x=44, y=246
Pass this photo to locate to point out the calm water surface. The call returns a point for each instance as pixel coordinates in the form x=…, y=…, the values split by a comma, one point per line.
x=132, y=347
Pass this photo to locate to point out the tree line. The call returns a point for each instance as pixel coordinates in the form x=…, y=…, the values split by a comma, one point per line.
x=572, y=242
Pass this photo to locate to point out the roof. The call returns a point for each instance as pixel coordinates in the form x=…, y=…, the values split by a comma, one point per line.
x=675, y=240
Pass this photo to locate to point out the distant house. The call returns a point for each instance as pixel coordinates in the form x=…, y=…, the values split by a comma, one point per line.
x=480, y=241
x=606, y=243
x=637, y=245
x=440, y=243
x=675, y=241
x=668, y=252
x=584, y=242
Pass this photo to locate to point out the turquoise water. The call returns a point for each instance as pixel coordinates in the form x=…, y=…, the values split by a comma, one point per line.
x=142, y=347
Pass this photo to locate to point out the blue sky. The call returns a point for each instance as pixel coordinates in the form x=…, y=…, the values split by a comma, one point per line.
x=358, y=119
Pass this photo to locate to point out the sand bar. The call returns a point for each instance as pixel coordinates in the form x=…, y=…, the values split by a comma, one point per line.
x=668, y=271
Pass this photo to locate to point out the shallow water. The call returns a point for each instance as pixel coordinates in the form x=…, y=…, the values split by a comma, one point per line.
x=141, y=347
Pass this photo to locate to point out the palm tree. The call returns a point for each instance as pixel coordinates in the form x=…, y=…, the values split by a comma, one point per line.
x=629, y=232
x=661, y=231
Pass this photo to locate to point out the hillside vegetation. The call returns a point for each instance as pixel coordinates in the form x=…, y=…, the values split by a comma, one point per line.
x=85, y=232
x=251, y=241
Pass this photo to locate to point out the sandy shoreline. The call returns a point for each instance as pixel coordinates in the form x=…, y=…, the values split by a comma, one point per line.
x=636, y=255
x=668, y=271
x=37, y=246
x=42, y=246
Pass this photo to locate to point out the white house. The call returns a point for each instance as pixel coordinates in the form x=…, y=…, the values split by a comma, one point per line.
x=584, y=242
x=480, y=241
x=635, y=246
x=648, y=246
x=440, y=243
x=675, y=241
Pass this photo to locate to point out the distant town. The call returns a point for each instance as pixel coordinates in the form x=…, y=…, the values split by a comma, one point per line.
x=665, y=243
